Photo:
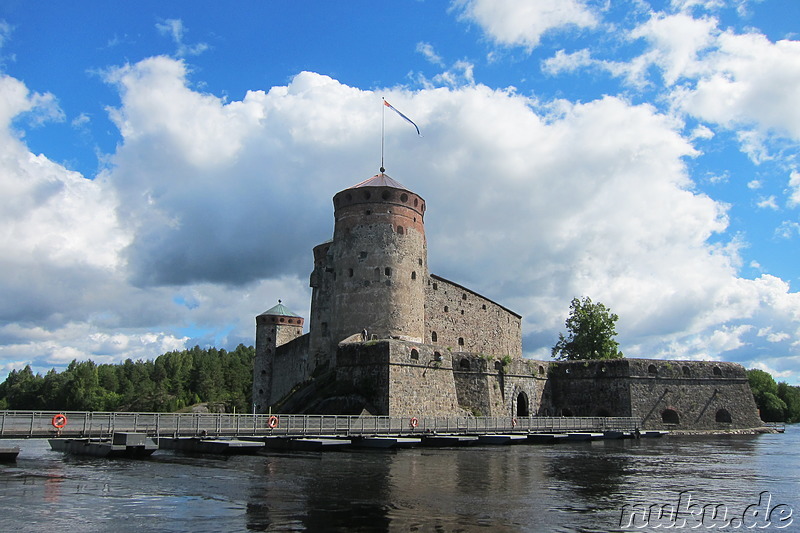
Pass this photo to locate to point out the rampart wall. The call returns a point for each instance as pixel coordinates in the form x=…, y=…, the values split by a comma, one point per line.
x=664, y=394
x=464, y=321
x=288, y=367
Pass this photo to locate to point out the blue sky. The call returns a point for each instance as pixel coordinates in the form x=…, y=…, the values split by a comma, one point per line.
x=166, y=168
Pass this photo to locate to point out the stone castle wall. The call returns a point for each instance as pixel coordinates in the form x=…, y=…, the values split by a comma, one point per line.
x=464, y=321
x=421, y=381
x=363, y=368
x=288, y=368
x=321, y=354
x=663, y=394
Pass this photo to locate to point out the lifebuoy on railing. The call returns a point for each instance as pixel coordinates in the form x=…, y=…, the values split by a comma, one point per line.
x=272, y=422
x=513, y=422
x=413, y=422
x=59, y=421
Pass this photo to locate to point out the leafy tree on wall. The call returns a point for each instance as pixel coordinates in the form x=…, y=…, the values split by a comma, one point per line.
x=590, y=333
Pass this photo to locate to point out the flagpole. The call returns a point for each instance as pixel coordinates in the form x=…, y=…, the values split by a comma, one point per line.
x=383, y=119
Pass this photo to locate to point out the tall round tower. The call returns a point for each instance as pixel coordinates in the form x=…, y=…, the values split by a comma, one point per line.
x=380, y=261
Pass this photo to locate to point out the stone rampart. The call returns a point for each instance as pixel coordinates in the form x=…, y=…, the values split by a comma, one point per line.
x=663, y=394
x=421, y=381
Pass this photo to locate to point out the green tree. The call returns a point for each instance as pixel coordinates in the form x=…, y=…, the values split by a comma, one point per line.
x=765, y=393
x=590, y=333
x=791, y=397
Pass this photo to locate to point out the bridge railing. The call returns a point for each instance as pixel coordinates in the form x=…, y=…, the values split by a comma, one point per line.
x=25, y=424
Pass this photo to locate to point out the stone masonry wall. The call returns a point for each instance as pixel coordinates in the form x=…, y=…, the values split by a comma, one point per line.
x=488, y=386
x=464, y=321
x=421, y=381
x=288, y=367
x=363, y=369
x=691, y=395
x=663, y=394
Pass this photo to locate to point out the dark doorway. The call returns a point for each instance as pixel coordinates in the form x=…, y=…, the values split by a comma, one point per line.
x=670, y=416
x=724, y=416
x=522, y=405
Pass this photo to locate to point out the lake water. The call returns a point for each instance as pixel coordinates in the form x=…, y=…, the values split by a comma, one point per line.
x=597, y=486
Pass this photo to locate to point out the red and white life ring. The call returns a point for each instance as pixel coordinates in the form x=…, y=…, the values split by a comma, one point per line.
x=272, y=422
x=413, y=422
x=59, y=421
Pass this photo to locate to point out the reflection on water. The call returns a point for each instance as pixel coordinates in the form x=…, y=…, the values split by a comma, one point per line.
x=564, y=487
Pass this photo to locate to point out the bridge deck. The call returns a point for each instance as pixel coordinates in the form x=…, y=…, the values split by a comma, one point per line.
x=40, y=424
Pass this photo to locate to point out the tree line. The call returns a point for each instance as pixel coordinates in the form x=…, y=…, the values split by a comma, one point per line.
x=171, y=382
x=777, y=402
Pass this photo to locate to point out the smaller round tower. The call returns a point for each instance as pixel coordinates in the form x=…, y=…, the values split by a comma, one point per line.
x=274, y=327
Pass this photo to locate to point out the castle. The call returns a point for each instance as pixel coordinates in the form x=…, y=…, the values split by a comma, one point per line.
x=386, y=337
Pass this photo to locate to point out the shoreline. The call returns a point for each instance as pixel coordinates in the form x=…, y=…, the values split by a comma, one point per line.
x=746, y=431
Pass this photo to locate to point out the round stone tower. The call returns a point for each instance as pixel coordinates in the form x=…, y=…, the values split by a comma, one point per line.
x=380, y=261
x=274, y=327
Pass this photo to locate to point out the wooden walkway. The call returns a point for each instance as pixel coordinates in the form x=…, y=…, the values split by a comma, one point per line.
x=41, y=424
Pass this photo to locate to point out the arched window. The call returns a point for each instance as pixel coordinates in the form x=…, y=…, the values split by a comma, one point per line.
x=464, y=364
x=670, y=416
x=414, y=354
x=461, y=341
x=687, y=371
x=717, y=371
x=400, y=230
x=541, y=370
x=523, y=408
x=413, y=275
x=404, y=197
x=446, y=309
x=723, y=416
x=387, y=271
x=434, y=336
x=652, y=369
x=350, y=272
